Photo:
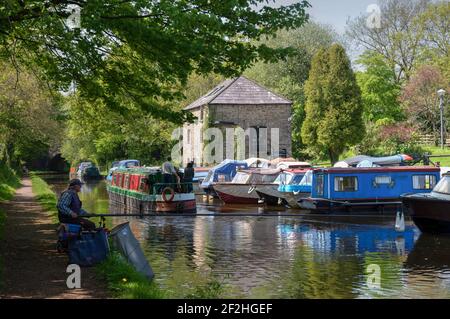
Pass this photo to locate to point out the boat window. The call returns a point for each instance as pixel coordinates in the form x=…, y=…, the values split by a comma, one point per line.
x=126, y=182
x=424, y=181
x=319, y=185
x=443, y=186
x=345, y=183
x=306, y=179
x=383, y=180
x=283, y=178
x=209, y=177
x=241, y=177
x=222, y=178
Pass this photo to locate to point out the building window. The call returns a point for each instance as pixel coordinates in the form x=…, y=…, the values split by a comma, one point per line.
x=319, y=185
x=424, y=181
x=345, y=183
x=189, y=135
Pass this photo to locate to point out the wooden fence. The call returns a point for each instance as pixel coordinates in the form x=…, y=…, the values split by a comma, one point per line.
x=430, y=139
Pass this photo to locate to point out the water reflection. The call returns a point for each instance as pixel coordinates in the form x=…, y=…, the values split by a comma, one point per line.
x=287, y=257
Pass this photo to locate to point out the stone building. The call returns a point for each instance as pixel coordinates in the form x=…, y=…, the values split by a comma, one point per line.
x=244, y=107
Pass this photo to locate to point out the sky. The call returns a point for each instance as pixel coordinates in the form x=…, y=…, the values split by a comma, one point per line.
x=334, y=12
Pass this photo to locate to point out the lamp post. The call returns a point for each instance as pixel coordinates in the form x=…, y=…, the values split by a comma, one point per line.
x=441, y=94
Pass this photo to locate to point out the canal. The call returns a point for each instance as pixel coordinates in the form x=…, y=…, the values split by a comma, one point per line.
x=284, y=257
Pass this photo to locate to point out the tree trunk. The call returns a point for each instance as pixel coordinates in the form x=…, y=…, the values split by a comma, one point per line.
x=334, y=156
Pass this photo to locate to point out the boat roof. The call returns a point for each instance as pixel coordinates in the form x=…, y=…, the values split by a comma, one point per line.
x=262, y=171
x=370, y=160
x=293, y=164
x=297, y=170
x=138, y=170
x=430, y=169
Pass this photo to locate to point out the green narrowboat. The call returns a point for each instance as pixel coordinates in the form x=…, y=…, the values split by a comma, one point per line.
x=140, y=190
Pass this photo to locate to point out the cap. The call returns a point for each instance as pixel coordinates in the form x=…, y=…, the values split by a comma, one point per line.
x=75, y=181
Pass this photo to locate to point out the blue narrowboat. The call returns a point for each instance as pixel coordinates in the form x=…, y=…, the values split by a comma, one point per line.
x=224, y=172
x=367, y=188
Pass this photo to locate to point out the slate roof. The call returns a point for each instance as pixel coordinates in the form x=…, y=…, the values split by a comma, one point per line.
x=238, y=91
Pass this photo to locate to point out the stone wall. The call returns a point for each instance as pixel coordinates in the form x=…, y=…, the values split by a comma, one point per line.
x=244, y=116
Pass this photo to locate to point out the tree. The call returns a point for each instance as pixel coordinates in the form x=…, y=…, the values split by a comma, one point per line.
x=30, y=118
x=421, y=101
x=398, y=38
x=287, y=77
x=379, y=90
x=98, y=133
x=333, y=105
x=141, y=51
x=436, y=29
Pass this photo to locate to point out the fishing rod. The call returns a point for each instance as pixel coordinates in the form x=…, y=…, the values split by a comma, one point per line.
x=227, y=215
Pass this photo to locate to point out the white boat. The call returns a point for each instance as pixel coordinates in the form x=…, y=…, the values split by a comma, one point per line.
x=241, y=190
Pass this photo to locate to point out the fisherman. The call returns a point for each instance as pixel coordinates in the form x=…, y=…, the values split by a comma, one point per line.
x=189, y=175
x=69, y=206
x=168, y=171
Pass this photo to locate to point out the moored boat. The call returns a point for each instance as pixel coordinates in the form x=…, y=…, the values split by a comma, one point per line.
x=283, y=187
x=224, y=172
x=299, y=187
x=140, y=190
x=430, y=212
x=367, y=188
x=241, y=190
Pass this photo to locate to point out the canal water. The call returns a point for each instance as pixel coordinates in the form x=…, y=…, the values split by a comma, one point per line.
x=284, y=257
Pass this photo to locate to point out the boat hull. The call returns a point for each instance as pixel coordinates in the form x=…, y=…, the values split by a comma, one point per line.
x=269, y=193
x=323, y=205
x=128, y=203
x=236, y=193
x=429, y=214
x=292, y=198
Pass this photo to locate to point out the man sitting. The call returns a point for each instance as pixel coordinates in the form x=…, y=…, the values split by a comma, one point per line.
x=69, y=207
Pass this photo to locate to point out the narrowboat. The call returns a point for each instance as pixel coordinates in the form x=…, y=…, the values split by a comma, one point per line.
x=367, y=188
x=122, y=164
x=141, y=190
x=241, y=190
x=224, y=172
x=276, y=193
x=87, y=171
x=430, y=212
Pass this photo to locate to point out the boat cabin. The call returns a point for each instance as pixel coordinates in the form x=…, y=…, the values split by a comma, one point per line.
x=333, y=187
x=256, y=176
x=298, y=180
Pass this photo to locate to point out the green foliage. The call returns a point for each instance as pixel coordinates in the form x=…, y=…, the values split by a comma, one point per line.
x=333, y=105
x=9, y=181
x=97, y=133
x=136, y=52
x=379, y=90
x=125, y=282
x=29, y=117
x=287, y=76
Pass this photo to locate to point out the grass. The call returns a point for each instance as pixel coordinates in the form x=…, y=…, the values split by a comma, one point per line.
x=9, y=182
x=45, y=196
x=125, y=282
x=436, y=150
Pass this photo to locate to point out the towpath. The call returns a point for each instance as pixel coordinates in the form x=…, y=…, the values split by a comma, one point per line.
x=31, y=266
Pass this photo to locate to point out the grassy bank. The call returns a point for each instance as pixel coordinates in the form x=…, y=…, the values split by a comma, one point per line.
x=45, y=196
x=9, y=182
x=125, y=282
